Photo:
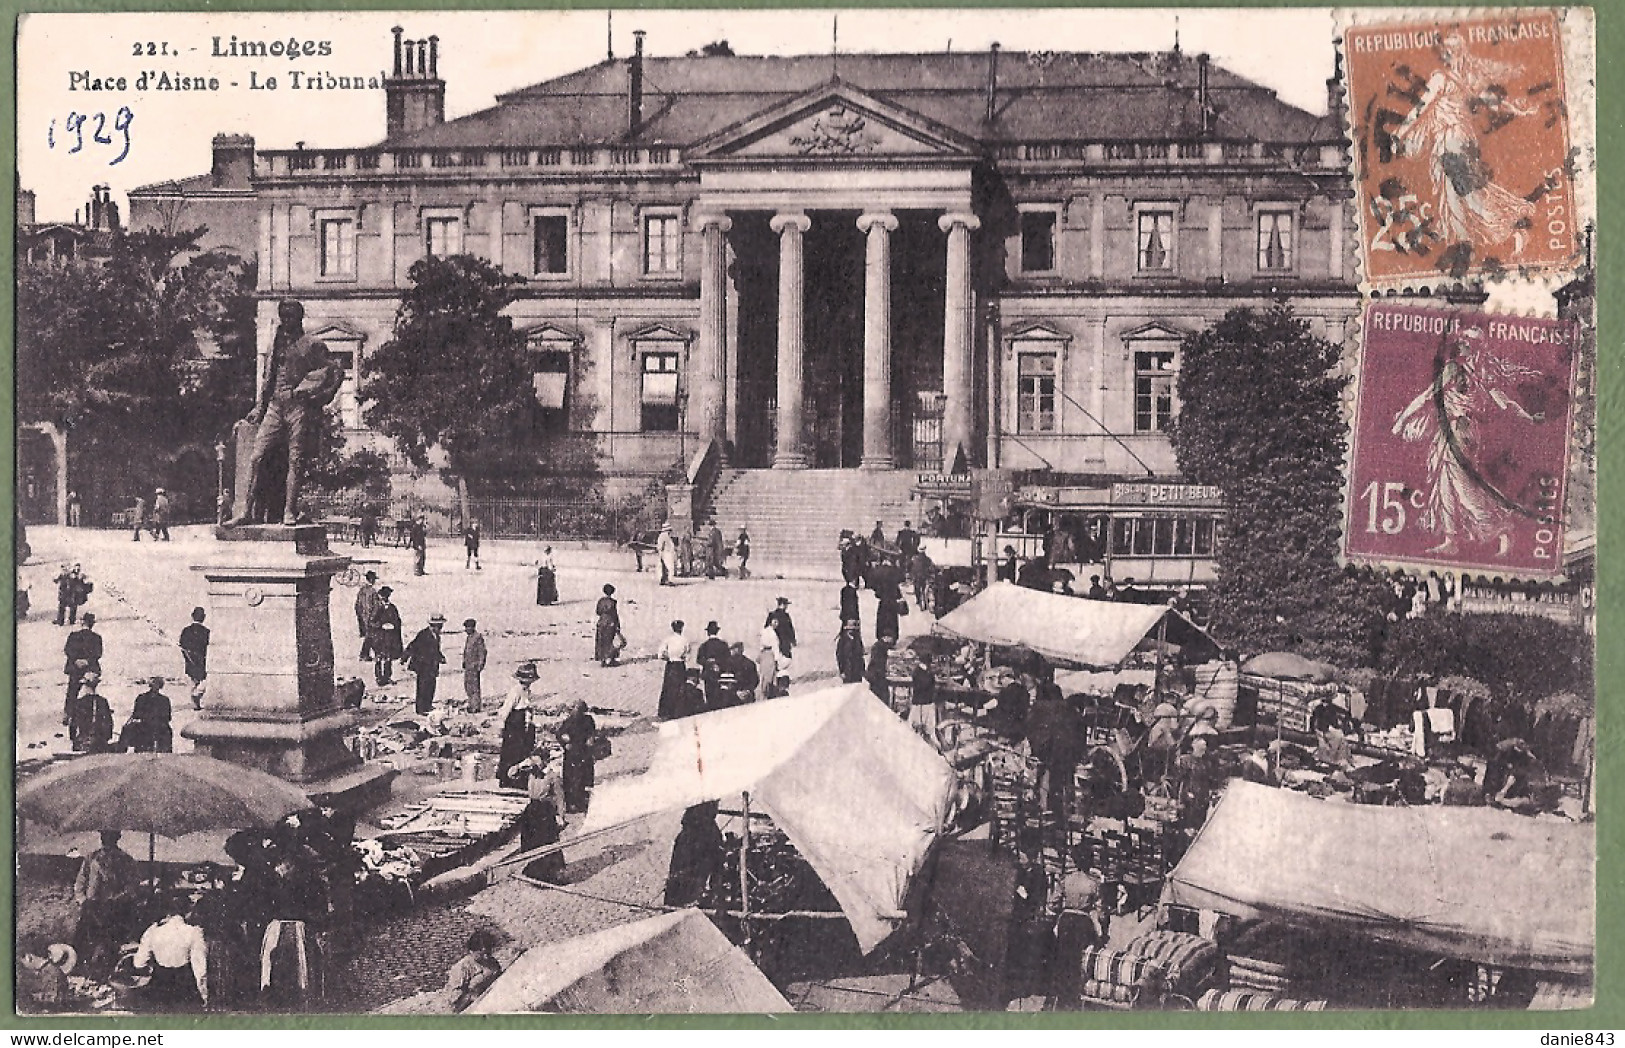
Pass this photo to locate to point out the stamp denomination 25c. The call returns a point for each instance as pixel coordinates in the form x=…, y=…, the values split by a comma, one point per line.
x=1461, y=136
x=1460, y=447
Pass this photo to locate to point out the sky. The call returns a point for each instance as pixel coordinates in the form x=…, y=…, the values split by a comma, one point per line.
x=71, y=64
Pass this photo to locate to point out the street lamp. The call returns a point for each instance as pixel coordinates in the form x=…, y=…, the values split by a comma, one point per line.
x=220, y=482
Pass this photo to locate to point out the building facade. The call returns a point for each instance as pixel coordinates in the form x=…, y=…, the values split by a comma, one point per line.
x=911, y=261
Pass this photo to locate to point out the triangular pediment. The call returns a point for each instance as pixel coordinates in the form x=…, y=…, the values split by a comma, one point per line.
x=835, y=120
x=338, y=332
x=1155, y=331
x=549, y=333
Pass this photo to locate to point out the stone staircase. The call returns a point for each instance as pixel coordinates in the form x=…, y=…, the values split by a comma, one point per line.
x=795, y=517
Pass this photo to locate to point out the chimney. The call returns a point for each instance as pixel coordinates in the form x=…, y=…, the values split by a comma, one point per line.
x=414, y=96
x=233, y=161
x=1334, y=89
x=26, y=215
x=634, y=76
x=1204, y=102
x=992, y=83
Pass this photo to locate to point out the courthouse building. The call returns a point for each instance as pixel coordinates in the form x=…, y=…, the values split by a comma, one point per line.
x=880, y=262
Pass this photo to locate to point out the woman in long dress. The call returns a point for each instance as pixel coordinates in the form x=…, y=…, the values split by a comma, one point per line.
x=767, y=662
x=576, y=735
x=518, y=737
x=1443, y=128
x=1446, y=415
x=542, y=820
x=609, y=627
x=547, y=579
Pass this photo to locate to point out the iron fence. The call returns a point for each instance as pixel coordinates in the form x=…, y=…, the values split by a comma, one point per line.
x=499, y=517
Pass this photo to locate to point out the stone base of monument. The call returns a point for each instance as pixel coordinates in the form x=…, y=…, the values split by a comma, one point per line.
x=271, y=703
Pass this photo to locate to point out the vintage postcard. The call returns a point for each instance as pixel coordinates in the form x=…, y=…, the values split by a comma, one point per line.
x=805, y=511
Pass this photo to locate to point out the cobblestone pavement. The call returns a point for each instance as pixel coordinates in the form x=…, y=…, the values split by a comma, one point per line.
x=144, y=595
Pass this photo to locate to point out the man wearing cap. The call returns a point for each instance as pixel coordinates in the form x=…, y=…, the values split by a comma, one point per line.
x=473, y=664
x=384, y=635
x=148, y=729
x=779, y=620
x=82, y=654
x=160, y=515
x=366, y=602
x=90, y=718
x=195, y=652
x=424, y=658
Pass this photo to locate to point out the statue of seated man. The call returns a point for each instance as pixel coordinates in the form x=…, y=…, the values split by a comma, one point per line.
x=301, y=380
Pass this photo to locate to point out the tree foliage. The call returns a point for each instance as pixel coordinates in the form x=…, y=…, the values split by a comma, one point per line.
x=145, y=360
x=457, y=377
x=1521, y=657
x=1260, y=419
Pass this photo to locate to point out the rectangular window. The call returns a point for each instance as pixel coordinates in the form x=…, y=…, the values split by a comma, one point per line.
x=550, y=245
x=1274, y=241
x=347, y=403
x=443, y=235
x=337, y=247
x=662, y=244
x=1037, y=241
x=660, y=392
x=1035, y=393
x=1153, y=390
x=1156, y=241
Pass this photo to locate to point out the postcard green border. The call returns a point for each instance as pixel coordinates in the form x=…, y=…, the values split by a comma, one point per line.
x=1609, y=1011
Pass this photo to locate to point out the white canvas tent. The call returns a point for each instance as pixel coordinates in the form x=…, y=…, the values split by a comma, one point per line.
x=1098, y=634
x=1475, y=883
x=672, y=963
x=861, y=797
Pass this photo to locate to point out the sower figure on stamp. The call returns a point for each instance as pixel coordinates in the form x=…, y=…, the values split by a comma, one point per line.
x=300, y=381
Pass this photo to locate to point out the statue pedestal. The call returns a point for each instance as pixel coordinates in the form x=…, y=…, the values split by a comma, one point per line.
x=271, y=704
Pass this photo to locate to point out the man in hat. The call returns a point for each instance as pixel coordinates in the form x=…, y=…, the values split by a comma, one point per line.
x=713, y=648
x=301, y=379
x=384, y=635
x=148, y=729
x=90, y=718
x=366, y=602
x=424, y=658
x=473, y=664
x=779, y=620
x=666, y=549
x=160, y=515
x=471, y=545
x=195, y=653
x=82, y=654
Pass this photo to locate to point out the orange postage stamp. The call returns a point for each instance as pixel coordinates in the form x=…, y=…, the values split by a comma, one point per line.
x=1461, y=137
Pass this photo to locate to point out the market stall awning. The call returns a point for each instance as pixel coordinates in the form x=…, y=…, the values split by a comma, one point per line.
x=1097, y=634
x=1475, y=883
x=860, y=795
x=672, y=963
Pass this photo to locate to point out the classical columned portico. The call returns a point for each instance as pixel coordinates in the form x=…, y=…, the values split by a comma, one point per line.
x=877, y=227
x=958, y=414
x=710, y=371
x=789, y=450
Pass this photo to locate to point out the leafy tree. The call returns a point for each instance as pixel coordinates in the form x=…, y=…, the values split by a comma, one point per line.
x=1520, y=657
x=457, y=377
x=1260, y=419
x=334, y=470
x=146, y=360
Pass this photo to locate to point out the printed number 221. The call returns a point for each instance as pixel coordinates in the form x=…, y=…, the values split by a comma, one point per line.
x=1391, y=507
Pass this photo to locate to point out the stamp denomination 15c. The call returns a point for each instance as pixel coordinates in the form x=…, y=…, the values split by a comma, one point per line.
x=1461, y=135
x=1459, y=457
